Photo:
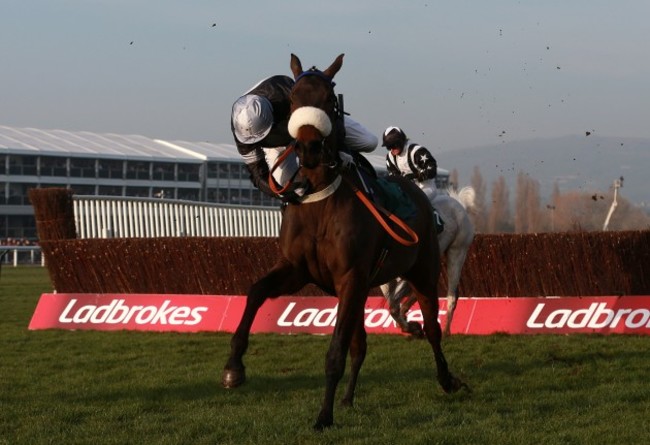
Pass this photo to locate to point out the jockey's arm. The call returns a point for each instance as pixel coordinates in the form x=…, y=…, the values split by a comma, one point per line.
x=259, y=176
x=426, y=165
x=357, y=137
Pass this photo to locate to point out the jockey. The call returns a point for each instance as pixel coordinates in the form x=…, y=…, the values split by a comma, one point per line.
x=413, y=161
x=259, y=122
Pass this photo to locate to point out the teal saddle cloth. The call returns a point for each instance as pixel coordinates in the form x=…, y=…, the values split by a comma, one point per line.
x=390, y=196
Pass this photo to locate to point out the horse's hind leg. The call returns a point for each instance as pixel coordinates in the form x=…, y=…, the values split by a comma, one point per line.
x=395, y=292
x=358, y=348
x=429, y=306
x=455, y=260
x=414, y=328
x=283, y=279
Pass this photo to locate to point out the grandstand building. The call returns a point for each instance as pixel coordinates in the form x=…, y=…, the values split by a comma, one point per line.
x=122, y=165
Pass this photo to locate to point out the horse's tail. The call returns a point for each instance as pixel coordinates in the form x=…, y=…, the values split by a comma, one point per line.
x=466, y=196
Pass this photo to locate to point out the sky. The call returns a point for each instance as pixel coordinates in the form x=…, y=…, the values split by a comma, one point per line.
x=453, y=74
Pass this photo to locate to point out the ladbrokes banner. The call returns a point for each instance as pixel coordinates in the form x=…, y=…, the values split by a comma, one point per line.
x=317, y=315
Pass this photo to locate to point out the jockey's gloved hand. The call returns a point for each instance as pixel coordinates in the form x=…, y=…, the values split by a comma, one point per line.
x=290, y=197
x=346, y=159
x=295, y=193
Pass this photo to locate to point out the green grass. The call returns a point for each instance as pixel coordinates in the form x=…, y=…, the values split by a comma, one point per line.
x=83, y=387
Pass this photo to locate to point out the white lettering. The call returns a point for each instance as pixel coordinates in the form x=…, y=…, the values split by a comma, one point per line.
x=596, y=316
x=83, y=314
x=161, y=314
x=285, y=314
x=561, y=314
x=600, y=311
x=63, y=318
x=376, y=318
x=532, y=321
x=630, y=323
x=618, y=317
x=584, y=313
x=102, y=312
x=178, y=315
x=305, y=317
x=196, y=315
x=146, y=314
x=326, y=317
x=118, y=312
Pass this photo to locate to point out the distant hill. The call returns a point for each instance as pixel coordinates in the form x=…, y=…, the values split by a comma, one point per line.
x=588, y=163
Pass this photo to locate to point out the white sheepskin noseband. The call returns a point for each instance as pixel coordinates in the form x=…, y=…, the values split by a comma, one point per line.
x=310, y=116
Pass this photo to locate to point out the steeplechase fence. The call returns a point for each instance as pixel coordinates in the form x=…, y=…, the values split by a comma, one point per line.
x=129, y=217
x=158, y=246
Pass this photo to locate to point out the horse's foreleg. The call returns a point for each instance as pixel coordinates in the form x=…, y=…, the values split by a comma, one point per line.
x=283, y=279
x=350, y=311
x=358, y=348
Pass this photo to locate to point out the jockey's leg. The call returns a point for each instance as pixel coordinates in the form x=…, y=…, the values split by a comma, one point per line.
x=429, y=188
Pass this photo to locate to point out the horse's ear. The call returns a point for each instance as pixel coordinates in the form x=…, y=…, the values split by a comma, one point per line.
x=296, y=66
x=334, y=67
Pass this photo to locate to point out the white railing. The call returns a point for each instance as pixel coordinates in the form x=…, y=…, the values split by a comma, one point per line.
x=127, y=217
x=33, y=254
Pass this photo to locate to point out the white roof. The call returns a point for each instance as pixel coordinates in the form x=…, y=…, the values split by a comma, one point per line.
x=135, y=147
x=86, y=144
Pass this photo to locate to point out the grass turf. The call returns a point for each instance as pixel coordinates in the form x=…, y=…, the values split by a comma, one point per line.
x=78, y=387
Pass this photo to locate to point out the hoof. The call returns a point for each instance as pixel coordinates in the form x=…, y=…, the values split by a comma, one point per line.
x=232, y=378
x=321, y=425
x=454, y=385
x=415, y=329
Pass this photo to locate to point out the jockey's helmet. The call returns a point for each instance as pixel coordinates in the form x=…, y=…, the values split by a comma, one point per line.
x=394, y=137
x=252, y=118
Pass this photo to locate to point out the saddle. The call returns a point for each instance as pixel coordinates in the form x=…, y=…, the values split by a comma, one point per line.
x=390, y=196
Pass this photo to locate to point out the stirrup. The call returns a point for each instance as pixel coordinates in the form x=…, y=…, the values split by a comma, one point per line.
x=440, y=224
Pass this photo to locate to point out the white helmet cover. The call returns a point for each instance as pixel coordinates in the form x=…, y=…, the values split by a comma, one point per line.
x=252, y=118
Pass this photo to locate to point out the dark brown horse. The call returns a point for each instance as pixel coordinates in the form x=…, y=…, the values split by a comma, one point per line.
x=333, y=240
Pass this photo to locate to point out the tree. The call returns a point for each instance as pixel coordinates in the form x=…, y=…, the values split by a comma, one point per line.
x=552, y=207
x=528, y=216
x=521, y=222
x=499, y=214
x=577, y=210
x=533, y=204
x=453, y=179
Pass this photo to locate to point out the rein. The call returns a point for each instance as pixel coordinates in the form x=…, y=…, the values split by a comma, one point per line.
x=278, y=161
x=412, y=237
x=375, y=209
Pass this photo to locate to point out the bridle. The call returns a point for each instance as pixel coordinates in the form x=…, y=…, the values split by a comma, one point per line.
x=376, y=210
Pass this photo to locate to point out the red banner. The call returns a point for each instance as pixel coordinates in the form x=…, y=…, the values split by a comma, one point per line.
x=317, y=315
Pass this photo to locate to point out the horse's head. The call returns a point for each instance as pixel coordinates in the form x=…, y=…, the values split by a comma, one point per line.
x=314, y=122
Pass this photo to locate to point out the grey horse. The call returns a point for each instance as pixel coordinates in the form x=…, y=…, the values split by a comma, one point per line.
x=454, y=242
